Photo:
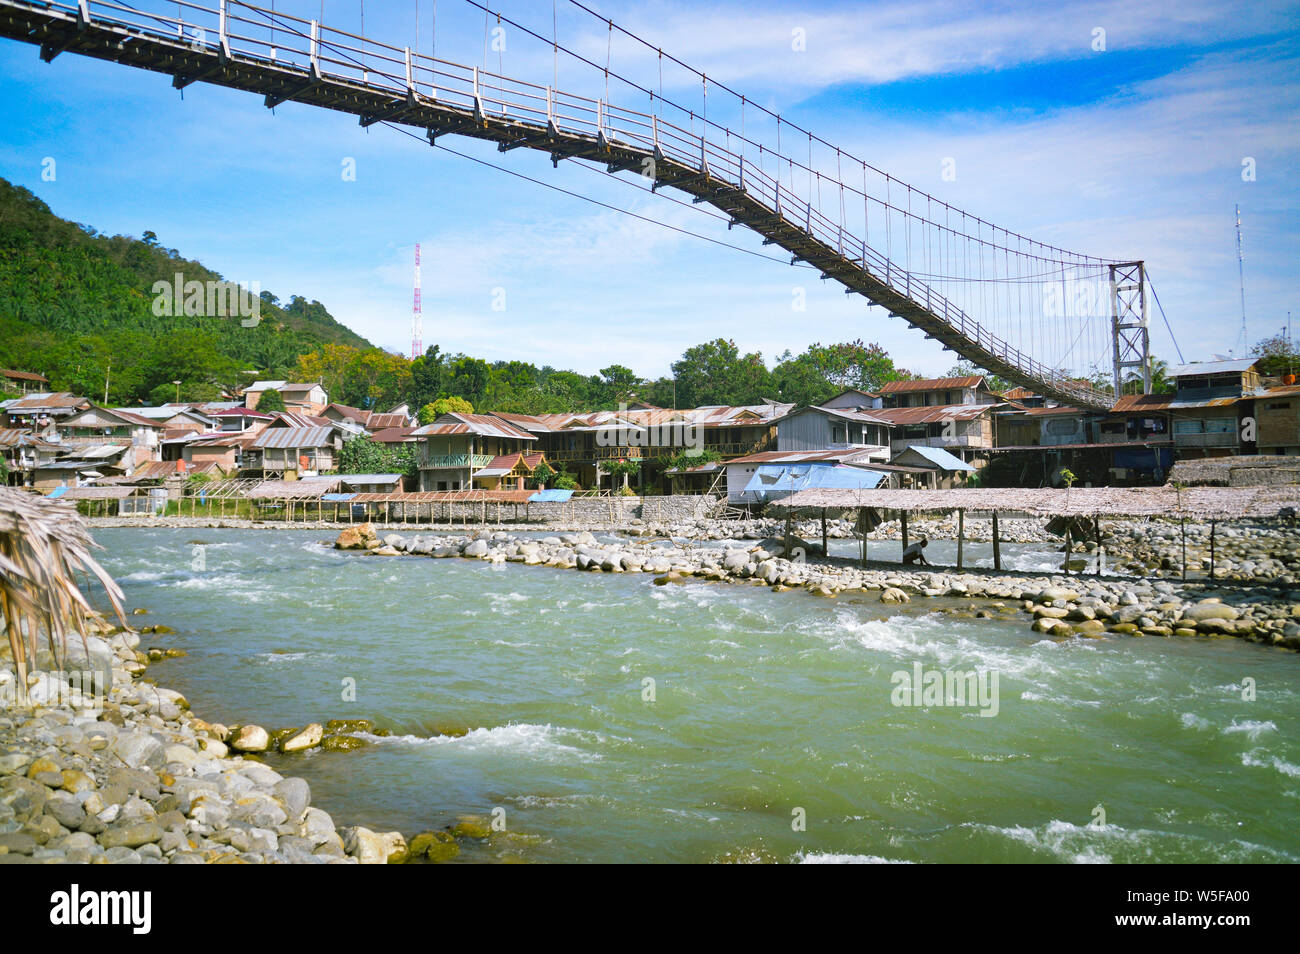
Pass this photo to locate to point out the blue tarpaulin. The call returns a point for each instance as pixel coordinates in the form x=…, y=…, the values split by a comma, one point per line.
x=57, y=492
x=336, y=498
x=788, y=478
x=941, y=458
x=550, y=496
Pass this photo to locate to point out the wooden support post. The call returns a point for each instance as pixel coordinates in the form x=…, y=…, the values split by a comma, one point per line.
x=1184, y=529
x=903, y=520
x=1211, y=549
x=826, y=549
x=1101, y=553
x=997, y=544
x=961, y=535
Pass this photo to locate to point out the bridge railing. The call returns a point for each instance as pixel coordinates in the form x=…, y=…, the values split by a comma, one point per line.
x=249, y=30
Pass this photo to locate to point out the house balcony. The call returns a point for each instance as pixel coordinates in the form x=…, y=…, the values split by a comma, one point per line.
x=596, y=453
x=1219, y=439
x=456, y=461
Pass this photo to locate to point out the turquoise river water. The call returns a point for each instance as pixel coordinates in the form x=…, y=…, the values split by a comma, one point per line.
x=773, y=732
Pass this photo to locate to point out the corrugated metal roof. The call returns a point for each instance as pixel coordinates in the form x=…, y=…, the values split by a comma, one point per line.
x=100, y=451
x=23, y=375
x=377, y=422
x=1135, y=403
x=354, y=479
x=46, y=401
x=843, y=413
x=1235, y=366
x=290, y=437
x=931, y=384
x=939, y=457
x=393, y=435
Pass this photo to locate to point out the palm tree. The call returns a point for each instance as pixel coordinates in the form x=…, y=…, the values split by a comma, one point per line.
x=42, y=546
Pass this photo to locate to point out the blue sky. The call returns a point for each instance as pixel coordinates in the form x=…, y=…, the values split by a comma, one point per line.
x=1134, y=151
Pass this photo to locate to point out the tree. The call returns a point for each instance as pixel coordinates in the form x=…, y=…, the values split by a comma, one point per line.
x=270, y=401
x=853, y=364
x=363, y=455
x=445, y=405
x=964, y=369
x=1277, y=355
x=618, y=384
x=716, y=373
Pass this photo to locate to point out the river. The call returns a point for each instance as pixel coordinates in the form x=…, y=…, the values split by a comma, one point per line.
x=769, y=732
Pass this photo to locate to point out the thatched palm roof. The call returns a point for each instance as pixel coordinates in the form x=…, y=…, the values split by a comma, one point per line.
x=1200, y=502
x=43, y=545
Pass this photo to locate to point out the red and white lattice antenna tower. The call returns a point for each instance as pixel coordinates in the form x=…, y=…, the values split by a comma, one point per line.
x=417, y=320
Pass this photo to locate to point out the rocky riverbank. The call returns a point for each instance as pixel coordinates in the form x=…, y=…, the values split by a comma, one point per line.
x=125, y=774
x=1059, y=606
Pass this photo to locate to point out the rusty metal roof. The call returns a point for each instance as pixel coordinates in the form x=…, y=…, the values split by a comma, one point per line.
x=933, y=415
x=23, y=375
x=44, y=401
x=1131, y=403
x=931, y=384
x=394, y=435
x=376, y=422
x=483, y=425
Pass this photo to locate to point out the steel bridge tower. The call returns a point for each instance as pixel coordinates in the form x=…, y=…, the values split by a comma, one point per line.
x=1128, y=323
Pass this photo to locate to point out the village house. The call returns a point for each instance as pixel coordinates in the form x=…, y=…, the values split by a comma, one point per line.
x=23, y=452
x=40, y=411
x=813, y=428
x=307, y=398
x=964, y=429
x=368, y=420
x=222, y=451
x=24, y=382
x=938, y=392
x=457, y=447
x=291, y=452
x=1277, y=411
x=941, y=469
x=92, y=433
x=581, y=443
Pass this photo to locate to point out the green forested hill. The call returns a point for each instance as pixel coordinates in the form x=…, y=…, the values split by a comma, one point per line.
x=75, y=304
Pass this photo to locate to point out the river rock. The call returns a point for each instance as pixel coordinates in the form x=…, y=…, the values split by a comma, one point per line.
x=250, y=738
x=308, y=738
x=130, y=835
x=374, y=848
x=1208, y=611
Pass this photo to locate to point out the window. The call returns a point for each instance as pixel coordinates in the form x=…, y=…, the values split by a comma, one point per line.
x=837, y=434
x=1280, y=406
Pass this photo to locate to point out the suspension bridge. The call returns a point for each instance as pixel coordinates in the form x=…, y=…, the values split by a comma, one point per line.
x=1007, y=303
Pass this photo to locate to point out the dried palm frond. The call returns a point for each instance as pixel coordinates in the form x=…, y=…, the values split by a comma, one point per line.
x=43, y=545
